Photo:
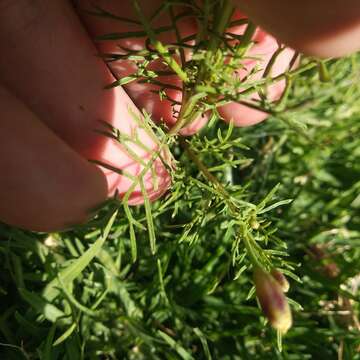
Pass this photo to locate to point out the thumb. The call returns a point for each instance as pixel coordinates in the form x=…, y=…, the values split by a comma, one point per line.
x=320, y=28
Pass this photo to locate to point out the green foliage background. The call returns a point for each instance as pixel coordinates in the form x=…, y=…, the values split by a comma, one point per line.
x=193, y=299
x=173, y=279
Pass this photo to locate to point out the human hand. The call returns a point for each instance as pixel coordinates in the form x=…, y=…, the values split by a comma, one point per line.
x=320, y=28
x=51, y=101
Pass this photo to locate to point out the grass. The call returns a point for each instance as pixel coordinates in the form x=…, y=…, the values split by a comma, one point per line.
x=173, y=279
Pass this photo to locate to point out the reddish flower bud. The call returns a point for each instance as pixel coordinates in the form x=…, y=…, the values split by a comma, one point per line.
x=272, y=300
x=281, y=279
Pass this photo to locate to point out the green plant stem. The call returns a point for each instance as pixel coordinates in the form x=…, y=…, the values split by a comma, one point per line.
x=191, y=98
x=203, y=25
x=250, y=250
x=208, y=175
x=221, y=25
x=272, y=61
x=212, y=179
x=187, y=112
x=178, y=35
x=159, y=47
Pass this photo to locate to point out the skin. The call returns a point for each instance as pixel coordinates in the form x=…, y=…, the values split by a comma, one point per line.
x=320, y=28
x=65, y=95
x=51, y=101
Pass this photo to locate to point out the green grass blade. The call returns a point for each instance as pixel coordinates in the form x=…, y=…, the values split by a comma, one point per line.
x=65, y=335
x=50, y=311
x=75, y=269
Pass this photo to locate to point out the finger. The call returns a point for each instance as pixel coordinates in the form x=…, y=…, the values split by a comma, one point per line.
x=44, y=184
x=321, y=28
x=145, y=95
x=51, y=64
x=240, y=114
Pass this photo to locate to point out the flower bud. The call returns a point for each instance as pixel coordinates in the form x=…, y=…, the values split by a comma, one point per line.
x=272, y=300
x=281, y=279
